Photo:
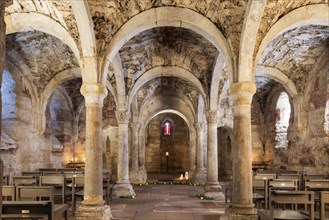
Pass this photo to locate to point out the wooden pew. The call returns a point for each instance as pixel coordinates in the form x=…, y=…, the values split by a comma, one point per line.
x=288, y=197
x=265, y=176
x=57, y=182
x=259, y=187
x=280, y=184
x=78, y=183
x=24, y=180
x=27, y=210
x=292, y=176
x=25, y=193
x=8, y=193
x=324, y=199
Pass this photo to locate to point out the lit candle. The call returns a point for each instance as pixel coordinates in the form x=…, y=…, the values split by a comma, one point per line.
x=84, y=159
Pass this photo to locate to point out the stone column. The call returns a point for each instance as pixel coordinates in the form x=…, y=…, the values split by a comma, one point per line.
x=134, y=172
x=142, y=169
x=201, y=172
x=92, y=206
x=213, y=189
x=123, y=186
x=242, y=204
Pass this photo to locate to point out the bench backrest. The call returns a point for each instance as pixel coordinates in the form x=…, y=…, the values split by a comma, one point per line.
x=291, y=197
x=56, y=181
x=25, y=193
x=8, y=193
x=324, y=199
x=265, y=176
x=316, y=184
x=23, y=180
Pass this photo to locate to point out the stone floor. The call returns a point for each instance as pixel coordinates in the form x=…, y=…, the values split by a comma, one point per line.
x=172, y=202
x=165, y=201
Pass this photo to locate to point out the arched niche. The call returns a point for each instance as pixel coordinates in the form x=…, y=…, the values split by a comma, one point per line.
x=167, y=153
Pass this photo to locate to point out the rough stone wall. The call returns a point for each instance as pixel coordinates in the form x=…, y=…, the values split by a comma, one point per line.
x=176, y=144
x=32, y=151
x=311, y=153
x=256, y=133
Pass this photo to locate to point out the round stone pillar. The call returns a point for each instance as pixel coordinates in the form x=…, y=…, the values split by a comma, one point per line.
x=213, y=189
x=201, y=173
x=92, y=206
x=134, y=174
x=123, y=186
x=242, y=204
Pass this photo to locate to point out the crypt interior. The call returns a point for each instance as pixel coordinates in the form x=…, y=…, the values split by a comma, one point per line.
x=215, y=91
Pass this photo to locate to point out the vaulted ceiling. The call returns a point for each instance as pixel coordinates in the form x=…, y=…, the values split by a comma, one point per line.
x=43, y=56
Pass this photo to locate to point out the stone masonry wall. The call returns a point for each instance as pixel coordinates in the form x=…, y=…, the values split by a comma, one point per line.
x=177, y=144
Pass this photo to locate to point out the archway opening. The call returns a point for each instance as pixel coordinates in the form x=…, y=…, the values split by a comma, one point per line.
x=167, y=145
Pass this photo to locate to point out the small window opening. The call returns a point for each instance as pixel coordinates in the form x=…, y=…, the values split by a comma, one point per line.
x=283, y=110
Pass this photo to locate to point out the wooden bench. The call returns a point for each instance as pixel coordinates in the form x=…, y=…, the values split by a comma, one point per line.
x=58, y=183
x=288, y=197
x=27, y=210
x=25, y=193
x=324, y=199
x=264, y=176
x=259, y=187
x=8, y=193
x=23, y=180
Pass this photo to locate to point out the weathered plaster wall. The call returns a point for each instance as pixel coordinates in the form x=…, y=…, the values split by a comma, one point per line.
x=225, y=169
x=176, y=144
x=110, y=149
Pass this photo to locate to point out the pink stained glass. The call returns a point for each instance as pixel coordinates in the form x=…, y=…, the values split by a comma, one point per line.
x=166, y=128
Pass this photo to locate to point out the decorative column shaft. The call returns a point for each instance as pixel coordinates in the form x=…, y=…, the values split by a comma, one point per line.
x=200, y=176
x=213, y=189
x=242, y=203
x=92, y=207
x=199, y=156
x=123, y=186
x=123, y=159
x=212, y=162
x=134, y=145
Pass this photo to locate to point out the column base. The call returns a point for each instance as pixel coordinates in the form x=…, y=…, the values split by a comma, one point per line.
x=138, y=176
x=214, y=190
x=122, y=189
x=102, y=212
x=247, y=212
x=200, y=177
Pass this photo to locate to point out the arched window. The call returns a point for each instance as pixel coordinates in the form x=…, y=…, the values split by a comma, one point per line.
x=8, y=97
x=167, y=126
x=326, y=118
x=283, y=110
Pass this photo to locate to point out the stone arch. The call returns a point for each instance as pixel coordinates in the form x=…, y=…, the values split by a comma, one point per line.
x=307, y=15
x=170, y=17
x=31, y=21
x=51, y=86
x=23, y=72
x=287, y=83
x=174, y=105
x=172, y=71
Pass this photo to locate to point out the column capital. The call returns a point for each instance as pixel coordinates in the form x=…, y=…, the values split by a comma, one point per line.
x=135, y=125
x=122, y=116
x=242, y=92
x=212, y=116
x=200, y=126
x=94, y=93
